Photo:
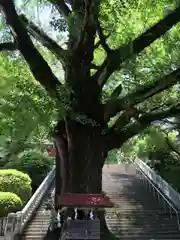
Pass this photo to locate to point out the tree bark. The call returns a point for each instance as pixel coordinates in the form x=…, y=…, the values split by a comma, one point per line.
x=86, y=156
x=58, y=178
x=61, y=160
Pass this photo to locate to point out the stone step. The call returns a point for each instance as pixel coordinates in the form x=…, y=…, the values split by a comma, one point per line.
x=135, y=200
x=126, y=236
x=120, y=237
x=118, y=224
x=140, y=207
x=147, y=212
x=141, y=229
x=148, y=237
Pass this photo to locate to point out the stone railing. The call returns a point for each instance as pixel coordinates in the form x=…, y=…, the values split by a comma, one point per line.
x=2, y=226
x=158, y=181
x=15, y=223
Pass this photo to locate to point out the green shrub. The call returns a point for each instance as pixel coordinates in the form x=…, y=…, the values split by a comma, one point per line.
x=16, y=182
x=112, y=157
x=35, y=164
x=9, y=202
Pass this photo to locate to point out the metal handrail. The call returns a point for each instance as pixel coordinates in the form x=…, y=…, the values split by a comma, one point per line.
x=167, y=190
x=161, y=194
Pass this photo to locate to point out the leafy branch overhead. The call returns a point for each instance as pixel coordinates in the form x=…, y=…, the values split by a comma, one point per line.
x=8, y=46
x=37, y=64
x=86, y=78
x=46, y=41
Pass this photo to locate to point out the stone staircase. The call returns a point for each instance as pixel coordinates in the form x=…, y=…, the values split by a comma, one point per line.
x=137, y=213
x=40, y=222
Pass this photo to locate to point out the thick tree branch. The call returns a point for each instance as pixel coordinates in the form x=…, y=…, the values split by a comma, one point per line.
x=113, y=62
x=125, y=118
x=38, y=66
x=8, y=46
x=62, y=8
x=171, y=146
x=94, y=66
x=117, y=91
x=98, y=43
x=121, y=135
x=82, y=9
x=148, y=90
x=151, y=117
x=102, y=38
x=48, y=42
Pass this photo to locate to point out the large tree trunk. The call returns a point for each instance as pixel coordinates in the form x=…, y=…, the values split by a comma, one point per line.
x=61, y=160
x=86, y=157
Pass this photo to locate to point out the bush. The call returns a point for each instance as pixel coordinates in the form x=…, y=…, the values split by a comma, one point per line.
x=9, y=202
x=112, y=157
x=16, y=182
x=35, y=164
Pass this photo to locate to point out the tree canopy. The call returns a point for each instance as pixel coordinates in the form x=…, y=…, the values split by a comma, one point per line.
x=134, y=55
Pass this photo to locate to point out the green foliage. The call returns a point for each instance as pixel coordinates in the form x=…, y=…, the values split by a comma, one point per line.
x=16, y=182
x=24, y=102
x=27, y=113
x=151, y=144
x=26, y=118
x=9, y=202
x=153, y=141
x=34, y=163
x=112, y=157
x=125, y=21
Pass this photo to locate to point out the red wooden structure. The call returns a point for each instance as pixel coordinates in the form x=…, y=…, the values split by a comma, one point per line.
x=51, y=151
x=83, y=227
x=85, y=200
